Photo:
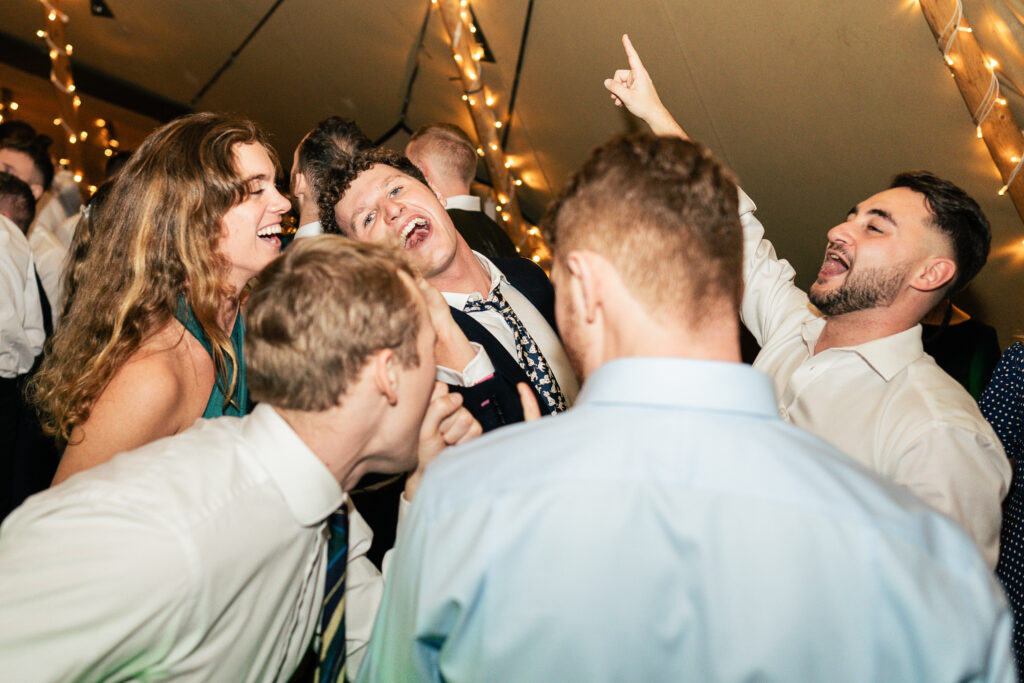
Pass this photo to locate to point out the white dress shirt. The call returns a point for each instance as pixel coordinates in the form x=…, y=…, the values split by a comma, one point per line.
x=466, y=202
x=670, y=527
x=21, y=318
x=884, y=403
x=65, y=232
x=197, y=557
x=534, y=322
x=309, y=230
x=62, y=200
x=51, y=257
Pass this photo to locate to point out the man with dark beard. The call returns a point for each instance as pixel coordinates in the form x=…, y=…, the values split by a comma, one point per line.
x=854, y=371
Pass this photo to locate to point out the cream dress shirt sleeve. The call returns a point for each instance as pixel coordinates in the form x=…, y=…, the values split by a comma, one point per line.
x=964, y=475
x=772, y=303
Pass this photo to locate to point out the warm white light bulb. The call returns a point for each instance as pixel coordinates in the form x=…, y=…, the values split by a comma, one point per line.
x=494, y=146
x=518, y=182
x=78, y=177
x=72, y=139
x=14, y=106
x=497, y=124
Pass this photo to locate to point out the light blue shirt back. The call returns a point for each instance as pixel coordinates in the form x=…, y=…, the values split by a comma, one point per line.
x=671, y=527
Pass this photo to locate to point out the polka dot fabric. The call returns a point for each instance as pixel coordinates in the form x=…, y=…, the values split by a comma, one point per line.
x=1002, y=404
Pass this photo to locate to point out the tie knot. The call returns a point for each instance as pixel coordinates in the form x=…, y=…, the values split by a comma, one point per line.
x=495, y=302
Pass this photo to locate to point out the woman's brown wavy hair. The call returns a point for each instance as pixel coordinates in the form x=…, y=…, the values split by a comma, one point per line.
x=154, y=237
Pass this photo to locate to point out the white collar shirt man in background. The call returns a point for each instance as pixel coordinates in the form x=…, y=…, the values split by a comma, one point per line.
x=853, y=369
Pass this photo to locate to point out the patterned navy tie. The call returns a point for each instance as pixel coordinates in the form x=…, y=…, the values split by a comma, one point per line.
x=531, y=360
x=332, y=616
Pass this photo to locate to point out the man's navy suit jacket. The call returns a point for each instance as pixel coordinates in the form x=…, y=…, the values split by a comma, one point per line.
x=495, y=402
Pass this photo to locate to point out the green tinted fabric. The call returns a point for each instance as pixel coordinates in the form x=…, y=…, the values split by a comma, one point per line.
x=215, y=407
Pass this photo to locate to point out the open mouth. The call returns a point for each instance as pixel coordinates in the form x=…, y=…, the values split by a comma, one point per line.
x=414, y=233
x=835, y=264
x=269, y=234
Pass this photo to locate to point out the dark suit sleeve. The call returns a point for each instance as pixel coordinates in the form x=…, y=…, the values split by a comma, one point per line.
x=493, y=402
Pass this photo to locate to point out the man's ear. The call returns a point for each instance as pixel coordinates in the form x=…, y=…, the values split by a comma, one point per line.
x=301, y=185
x=584, y=282
x=936, y=272
x=37, y=190
x=385, y=376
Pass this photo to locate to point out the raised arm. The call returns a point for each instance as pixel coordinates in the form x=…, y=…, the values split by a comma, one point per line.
x=634, y=89
x=771, y=302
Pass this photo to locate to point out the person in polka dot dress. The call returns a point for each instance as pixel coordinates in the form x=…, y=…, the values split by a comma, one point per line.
x=1002, y=404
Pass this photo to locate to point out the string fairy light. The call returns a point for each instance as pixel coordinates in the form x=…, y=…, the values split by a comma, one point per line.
x=966, y=60
x=467, y=51
x=1013, y=175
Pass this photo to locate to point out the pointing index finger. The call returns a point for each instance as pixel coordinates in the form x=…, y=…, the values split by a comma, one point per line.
x=634, y=59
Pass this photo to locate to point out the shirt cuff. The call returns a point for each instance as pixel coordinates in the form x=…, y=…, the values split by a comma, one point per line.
x=476, y=370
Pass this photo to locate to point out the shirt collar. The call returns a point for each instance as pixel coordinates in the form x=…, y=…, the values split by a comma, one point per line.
x=887, y=356
x=459, y=300
x=308, y=488
x=466, y=202
x=309, y=230
x=682, y=383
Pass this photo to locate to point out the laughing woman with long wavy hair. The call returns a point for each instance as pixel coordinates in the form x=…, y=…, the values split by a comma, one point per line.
x=153, y=338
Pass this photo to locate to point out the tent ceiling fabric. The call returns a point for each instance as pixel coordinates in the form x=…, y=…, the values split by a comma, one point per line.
x=815, y=106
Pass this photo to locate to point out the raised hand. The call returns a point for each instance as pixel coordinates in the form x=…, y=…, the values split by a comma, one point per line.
x=634, y=89
x=453, y=349
x=446, y=423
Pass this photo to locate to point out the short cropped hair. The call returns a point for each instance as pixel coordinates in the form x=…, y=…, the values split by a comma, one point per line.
x=452, y=151
x=340, y=177
x=36, y=147
x=319, y=311
x=959, y=217
x=333, y=140
x=17, y=201
x=665, y=213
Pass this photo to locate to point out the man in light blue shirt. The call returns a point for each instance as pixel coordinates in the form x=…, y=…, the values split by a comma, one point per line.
x=671, y=526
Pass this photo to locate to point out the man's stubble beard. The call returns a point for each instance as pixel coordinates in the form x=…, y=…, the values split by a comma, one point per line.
x=871, y=288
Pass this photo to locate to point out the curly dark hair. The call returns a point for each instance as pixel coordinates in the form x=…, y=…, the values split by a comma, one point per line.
x=340, y=177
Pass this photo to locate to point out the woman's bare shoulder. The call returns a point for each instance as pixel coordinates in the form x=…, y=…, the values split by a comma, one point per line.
x=160, y=390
